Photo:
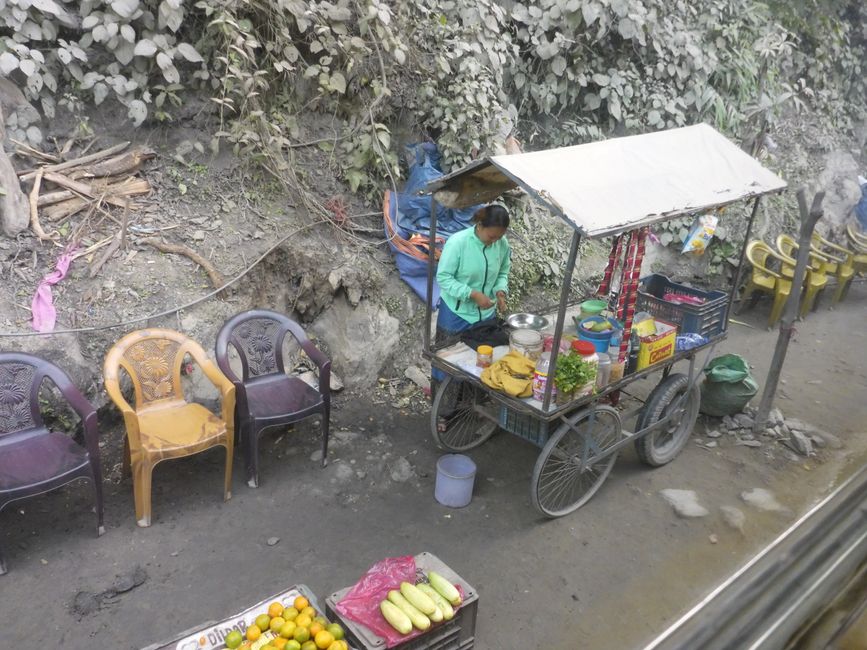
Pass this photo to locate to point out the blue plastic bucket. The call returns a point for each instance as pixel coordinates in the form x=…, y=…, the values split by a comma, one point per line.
x=456, y=474
x=600, y=340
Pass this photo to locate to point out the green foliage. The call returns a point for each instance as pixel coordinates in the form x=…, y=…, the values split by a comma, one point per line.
x=573, y=372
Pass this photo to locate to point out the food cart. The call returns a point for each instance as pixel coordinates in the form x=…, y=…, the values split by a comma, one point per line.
x=601, y=189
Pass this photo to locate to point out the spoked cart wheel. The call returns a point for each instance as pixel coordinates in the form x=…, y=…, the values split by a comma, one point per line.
x=672, y=396
x=567, y=472
x=457, y=421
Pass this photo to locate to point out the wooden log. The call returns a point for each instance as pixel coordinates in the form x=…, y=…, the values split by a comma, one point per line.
x=65, y=209
x=128, y=187
x=125, y=163
x=82, y=188
x=28, y=175
x=35, y=226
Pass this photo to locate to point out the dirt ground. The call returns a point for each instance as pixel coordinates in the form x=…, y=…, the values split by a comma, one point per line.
x=611, y=575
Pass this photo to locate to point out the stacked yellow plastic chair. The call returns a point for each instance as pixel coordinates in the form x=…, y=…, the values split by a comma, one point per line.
x=766, y=280
x=842, y=268
x=816, y=278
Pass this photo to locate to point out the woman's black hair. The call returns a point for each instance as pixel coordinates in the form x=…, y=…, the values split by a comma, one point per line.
x=492, y=216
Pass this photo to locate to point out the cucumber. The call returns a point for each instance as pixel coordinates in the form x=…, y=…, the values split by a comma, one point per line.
x=419, y=600
x=418, y=619
x=395, y=617
x=445, y=588
x=442, y=604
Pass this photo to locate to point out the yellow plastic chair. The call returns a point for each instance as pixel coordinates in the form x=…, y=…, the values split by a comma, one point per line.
x=766, y=280
x=163, y=425
x=816, y=278
x=859, y=244
x=842, y=268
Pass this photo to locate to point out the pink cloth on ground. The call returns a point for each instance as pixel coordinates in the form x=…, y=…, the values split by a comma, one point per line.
x=42, y=306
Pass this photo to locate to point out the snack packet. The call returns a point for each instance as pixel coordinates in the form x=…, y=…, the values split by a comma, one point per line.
x=700, y=234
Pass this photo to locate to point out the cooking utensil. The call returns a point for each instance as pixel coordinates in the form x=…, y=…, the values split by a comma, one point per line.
x=527, y=321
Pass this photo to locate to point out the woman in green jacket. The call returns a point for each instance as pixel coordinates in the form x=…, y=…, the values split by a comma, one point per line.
x=473, y=273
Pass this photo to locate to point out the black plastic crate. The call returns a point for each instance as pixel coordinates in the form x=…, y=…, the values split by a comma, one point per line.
x=707, y=319
x=524, y=426
x=456, y=634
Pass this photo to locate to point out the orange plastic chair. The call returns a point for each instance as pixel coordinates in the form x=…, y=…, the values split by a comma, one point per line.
x=765, y=280
x=163, y=424
x=816, y=278
x=842, y=268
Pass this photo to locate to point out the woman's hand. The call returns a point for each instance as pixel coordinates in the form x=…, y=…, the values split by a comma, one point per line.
x=501, y=302
x=481, y=300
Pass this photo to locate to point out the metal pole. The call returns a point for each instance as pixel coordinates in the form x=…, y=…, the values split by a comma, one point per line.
x=431, y=265
x=561, y=315
x=809, y=218
x=739, y=271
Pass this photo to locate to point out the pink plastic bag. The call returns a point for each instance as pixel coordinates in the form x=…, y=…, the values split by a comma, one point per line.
x=361, y=602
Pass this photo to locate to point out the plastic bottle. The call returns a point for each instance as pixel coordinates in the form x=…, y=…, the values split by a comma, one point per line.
x=604, y=372
x=484, y=356
x=540, y=377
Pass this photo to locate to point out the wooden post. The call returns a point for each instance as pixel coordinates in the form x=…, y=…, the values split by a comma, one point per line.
x=809, y=218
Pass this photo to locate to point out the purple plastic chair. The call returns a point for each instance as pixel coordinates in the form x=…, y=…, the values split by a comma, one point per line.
x=34, y=460
x=265, y=396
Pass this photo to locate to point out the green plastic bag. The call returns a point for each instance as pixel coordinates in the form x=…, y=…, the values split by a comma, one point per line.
x=728, y=386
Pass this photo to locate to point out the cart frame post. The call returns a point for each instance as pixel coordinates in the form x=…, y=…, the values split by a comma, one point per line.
x=431, y=264
x=736, y=284
x=561, y=315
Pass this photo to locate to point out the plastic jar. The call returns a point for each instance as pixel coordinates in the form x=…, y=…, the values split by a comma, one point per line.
x=484, y=356
x=526, y=342
x=588, y=353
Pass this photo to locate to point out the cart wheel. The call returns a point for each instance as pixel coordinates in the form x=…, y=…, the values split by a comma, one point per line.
x=566, y=474
x=661, y=446
x=456, y=409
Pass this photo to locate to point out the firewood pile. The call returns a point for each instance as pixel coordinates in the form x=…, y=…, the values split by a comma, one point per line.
x=87, y=186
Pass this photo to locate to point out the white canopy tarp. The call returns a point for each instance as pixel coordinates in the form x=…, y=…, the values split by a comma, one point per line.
x=605, y=187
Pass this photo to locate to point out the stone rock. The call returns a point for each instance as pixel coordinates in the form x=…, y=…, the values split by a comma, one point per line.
x=749, y=443
x=273, y=541
x=793, y=423
x=416, y=376
x=800, y=443
x=839, y=180
x=713, y=539
x=316, y=456
x=359, y=339
x=343, y=473
x=763, y=500
x=713, y=434
x=684, y=502
x=734, y=517
x=743, y=420
x=729, y=423
x=785, y=430
x=829, y=439
x=818, y=441
x=712, y=444
x=401, y=471
x=775, y=417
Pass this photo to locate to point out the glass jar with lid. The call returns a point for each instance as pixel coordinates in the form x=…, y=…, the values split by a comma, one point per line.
x=526, y=342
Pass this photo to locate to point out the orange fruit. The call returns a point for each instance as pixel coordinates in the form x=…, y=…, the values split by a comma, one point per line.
x=287, y=630
x=233, y=639
x=321, y=619
x=315, y=628
x=336, y=631
x=279, y=643
x=336, y=646
x=290, y=613
x=303, y=620
x=300, y=603
x=263, y=621
x=292, y=644
x=301, y=635
x=308, y=645
x=275, y=609
x=323, y=639
x=276, y=623
x=253, y=633
x=309, y=611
